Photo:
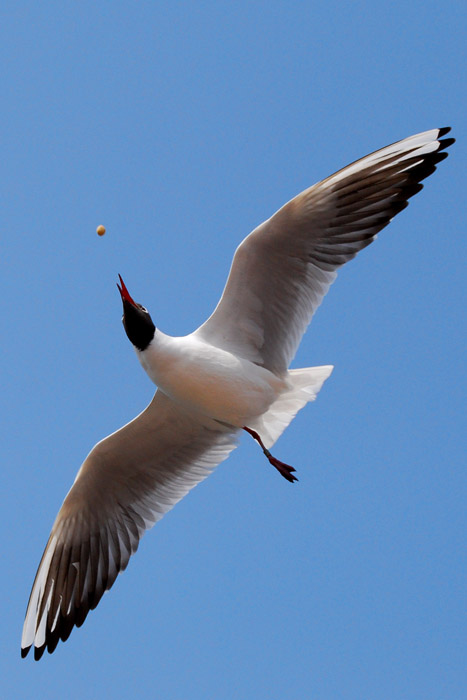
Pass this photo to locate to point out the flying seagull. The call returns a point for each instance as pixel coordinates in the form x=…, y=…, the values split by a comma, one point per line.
x=231, y=374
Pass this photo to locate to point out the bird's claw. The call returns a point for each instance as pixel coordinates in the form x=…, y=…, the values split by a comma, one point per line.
x=284, y=469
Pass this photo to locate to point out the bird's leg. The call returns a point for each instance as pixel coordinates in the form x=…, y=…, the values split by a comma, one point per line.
x=284, y=469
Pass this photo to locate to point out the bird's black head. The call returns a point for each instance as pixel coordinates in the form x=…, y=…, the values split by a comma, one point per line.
x=136, y=320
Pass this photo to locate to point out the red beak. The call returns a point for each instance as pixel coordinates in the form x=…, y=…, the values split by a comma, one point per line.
x=125, y=294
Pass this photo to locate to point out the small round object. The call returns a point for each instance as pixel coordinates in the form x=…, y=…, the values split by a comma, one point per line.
x=100, y=230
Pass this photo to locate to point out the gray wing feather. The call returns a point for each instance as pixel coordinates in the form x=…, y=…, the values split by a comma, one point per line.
x=125, y=485
x=282, y=270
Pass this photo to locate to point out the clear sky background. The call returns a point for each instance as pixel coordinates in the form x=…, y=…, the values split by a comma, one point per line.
x=180, y=127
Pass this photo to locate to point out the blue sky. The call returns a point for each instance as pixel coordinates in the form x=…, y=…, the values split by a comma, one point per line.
x=181, y=126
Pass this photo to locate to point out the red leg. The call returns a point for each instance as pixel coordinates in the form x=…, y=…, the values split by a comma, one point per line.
x=284, y=469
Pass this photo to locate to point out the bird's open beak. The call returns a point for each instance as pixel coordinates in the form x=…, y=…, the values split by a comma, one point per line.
x=125, y=294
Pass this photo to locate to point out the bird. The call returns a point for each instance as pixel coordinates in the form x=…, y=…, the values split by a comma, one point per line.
x=229, y=375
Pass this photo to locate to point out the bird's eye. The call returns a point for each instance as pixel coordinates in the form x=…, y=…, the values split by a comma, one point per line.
x=143, y=308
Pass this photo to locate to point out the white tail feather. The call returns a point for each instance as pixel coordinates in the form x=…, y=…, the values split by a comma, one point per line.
x=305, y=385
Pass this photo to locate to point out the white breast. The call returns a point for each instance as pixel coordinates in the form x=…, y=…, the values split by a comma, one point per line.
x=210, y=380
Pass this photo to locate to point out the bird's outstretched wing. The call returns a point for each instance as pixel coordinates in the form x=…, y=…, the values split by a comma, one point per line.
x=127, y=483
x=283, y=269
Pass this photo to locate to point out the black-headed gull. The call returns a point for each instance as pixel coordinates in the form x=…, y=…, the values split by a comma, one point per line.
x=230, y=374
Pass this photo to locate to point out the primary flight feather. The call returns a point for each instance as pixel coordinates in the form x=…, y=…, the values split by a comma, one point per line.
x=230, y=374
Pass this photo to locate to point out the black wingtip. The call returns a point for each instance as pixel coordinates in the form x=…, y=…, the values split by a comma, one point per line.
x=38, y=651
x=445, y=143
x=444, y=130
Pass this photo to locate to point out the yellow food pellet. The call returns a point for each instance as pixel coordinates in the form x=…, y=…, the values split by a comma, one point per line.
x=100, y=230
